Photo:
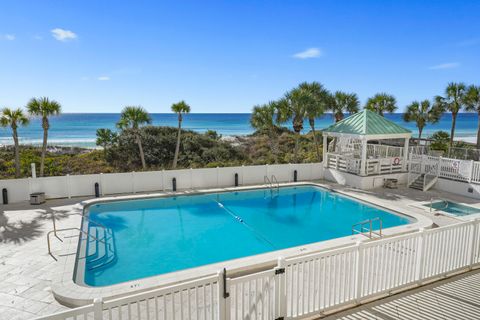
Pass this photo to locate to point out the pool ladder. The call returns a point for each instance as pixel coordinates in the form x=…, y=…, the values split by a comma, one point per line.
x=272, y=184
x=366, y=228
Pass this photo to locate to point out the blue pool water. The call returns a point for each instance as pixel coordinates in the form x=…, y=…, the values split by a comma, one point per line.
x=454, y=208
x=156, y=236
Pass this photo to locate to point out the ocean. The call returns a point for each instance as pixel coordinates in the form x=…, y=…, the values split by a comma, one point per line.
x=78, y=129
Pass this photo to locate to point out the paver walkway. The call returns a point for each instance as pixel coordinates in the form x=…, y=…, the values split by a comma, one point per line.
x=456, y=298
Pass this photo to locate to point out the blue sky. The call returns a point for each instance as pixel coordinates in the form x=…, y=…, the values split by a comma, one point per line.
x=226, y=56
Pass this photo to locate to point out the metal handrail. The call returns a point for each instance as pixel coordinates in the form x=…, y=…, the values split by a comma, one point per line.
x=441, y=199
x=267, y=181
x=274, y=179
x=67, y=229
x=370, y=231
x=89, y=220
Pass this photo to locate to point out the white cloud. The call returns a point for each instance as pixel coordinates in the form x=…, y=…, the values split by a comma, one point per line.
x=448, y=65
x=9, y=37
x=63, y=35
x=103, y=78
x=308, y=54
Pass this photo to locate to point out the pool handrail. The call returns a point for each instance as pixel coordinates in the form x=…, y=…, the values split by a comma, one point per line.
x=370, y=231
x=441, y=199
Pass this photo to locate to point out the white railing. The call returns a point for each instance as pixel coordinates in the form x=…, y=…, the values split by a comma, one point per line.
x=374, y=166
x=132, y=182
x=453, y=169
x=383, y=151
x=306, y=285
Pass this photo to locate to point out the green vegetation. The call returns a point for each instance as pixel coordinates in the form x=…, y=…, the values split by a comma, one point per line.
x=179, y=108
x=70, y=161
x=45, y=108
x=344, y=102
x=382, y=103
x=453, y=101
x=14, y=118
x=422, y=113
x=132, y=118
x=472, y=101
x=138, y=146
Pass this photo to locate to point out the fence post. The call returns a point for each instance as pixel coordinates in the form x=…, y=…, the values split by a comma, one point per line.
x=163, y=180
x=474, y=241
x=243, y=176
x=223, y=302
x=281, y=292
x=470, y=175
x=420, y=256
x=97, y=309
x=102, y=185
x=67, y=185
x=133, y=181
x=218, y=176
x=191, y=178
x=359, y=273
x=266, y=170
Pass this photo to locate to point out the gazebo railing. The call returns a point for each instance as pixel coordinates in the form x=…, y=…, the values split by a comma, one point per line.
x=375, y=166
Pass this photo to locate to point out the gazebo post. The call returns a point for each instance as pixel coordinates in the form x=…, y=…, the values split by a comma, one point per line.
x=363, y=163
x=325, y=150
x=405, y=154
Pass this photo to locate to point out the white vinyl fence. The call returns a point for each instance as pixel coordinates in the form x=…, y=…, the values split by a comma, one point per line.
x=132, y=182
x=306, y=285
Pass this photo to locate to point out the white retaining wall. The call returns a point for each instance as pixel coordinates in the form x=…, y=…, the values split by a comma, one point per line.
x=132, y=182
x=458, y=187
x=364, y=183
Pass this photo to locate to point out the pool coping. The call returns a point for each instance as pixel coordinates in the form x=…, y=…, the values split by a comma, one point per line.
x=72, y=294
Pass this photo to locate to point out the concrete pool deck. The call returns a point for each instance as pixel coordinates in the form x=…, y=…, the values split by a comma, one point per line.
x=454, y=298
x=27, y=271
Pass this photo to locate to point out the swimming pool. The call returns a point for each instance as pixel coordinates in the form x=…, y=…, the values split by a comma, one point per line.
x=155, y=236
x=453, y=208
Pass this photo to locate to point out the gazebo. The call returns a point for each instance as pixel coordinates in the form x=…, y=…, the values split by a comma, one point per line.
x=366, y=144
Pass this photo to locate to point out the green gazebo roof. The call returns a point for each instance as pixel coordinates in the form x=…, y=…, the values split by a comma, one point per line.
x=367, y=123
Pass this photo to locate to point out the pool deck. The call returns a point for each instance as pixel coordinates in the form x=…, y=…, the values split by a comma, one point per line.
x=26, y=269
x=454, y=298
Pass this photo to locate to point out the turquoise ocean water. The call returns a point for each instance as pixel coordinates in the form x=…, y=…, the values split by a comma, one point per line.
x=78, y=129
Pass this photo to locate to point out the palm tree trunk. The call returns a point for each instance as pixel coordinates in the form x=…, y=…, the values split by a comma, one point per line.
x=297, y=138
x=44, y=147
x=140, y=148
x=315, y=140
x=478, y=132
x=177, y=147
x=17, y=153
x=452, y=132
x=420, y=129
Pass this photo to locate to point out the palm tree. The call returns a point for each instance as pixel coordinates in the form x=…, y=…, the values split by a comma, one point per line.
x=454, y=101
x=13, y=118
x=264, y=119
x=382, y=103
x=472, y=101
x=317, y=103
x=105, y=138
x=344, y=102
x=294, y=107
x=422, y=113
x=179, y=108
x=44, y=108
x=132, y=117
